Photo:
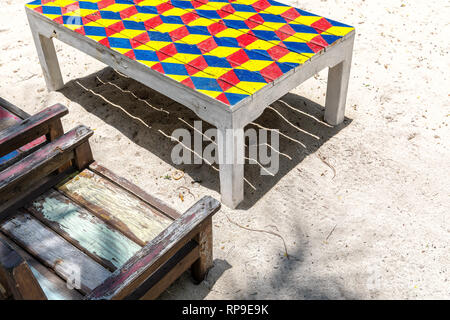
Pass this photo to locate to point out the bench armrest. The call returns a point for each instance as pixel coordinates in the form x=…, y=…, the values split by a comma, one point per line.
x=27, y=130
x=21, y=177
x=175, y=238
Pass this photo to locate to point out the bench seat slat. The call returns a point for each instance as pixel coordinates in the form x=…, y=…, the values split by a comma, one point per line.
x=127, y=213
x=100, y=241
x=54, y=251
x=53, y=286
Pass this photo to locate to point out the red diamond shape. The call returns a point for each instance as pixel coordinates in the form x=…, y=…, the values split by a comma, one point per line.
x=39, y=9
x=179, y=33
x=223, y=14
x=287, y=29
x=105, y=3
x=207, y=45
x=321, y=25
x=222, y=97
x=81, y=31
x=140, y=40
x=197, y=4
x=238, y=58
x=245, y=39
x=153, y=22
x=251, y=24
x=105, y=42
x=230, y=78
x=199, y=63
x=130, y=54
x=217, y=27
x=256, y=18
x=117, y=27
x=189, y=17
x=59, y=20
x=158, y=67
x=224, y=85
x=277, y=52
x=271, y=72
x=169, y=50
x=290, y=14
x=228, y=8
x=188, y=82
x=317, y=44
x=131, y=11
x=164, y=7
x=261, y=5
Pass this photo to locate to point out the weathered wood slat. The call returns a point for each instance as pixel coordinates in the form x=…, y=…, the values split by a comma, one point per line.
x=160, y=205
x=16, y=275
x=77, y=225
x=53, y=286
x=125, y=212
x=126, y=279
x=41, y=163
x=29, y=129
x=55, y=252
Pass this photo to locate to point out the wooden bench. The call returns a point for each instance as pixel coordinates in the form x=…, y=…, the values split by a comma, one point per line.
x=67, y=222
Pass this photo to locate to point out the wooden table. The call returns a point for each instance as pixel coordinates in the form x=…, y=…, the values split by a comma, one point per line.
x=227, y=60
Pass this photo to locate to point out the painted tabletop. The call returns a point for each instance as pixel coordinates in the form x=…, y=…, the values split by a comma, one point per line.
x=226, y=49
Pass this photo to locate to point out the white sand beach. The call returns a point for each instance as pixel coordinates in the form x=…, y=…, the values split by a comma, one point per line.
x=364, y=209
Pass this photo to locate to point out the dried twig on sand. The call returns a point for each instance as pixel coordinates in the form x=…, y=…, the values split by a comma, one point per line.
x=329, y=235
x=264, y=231
x=187, y=189
x=323, y=159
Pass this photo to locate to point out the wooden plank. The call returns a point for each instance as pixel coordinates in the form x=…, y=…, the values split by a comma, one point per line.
x=134, y=189
x=126, y=279
x=125, y=212
x=53, y=286
x=41, y=163
x=31, y=128
x=17, y=276
x=84, y=230
x=55, y=252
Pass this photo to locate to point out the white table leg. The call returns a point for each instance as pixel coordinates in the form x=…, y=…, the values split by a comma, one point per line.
x=231, y=164
x=338, y=78
x=48, y=59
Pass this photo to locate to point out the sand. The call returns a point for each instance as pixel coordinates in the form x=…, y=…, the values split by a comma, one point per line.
x=374, y=223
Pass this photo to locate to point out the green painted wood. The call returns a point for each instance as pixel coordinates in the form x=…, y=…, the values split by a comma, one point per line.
x=83, y=229
x=126, y=212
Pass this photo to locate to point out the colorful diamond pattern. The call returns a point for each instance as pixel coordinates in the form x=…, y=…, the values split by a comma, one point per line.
x=225, y=49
